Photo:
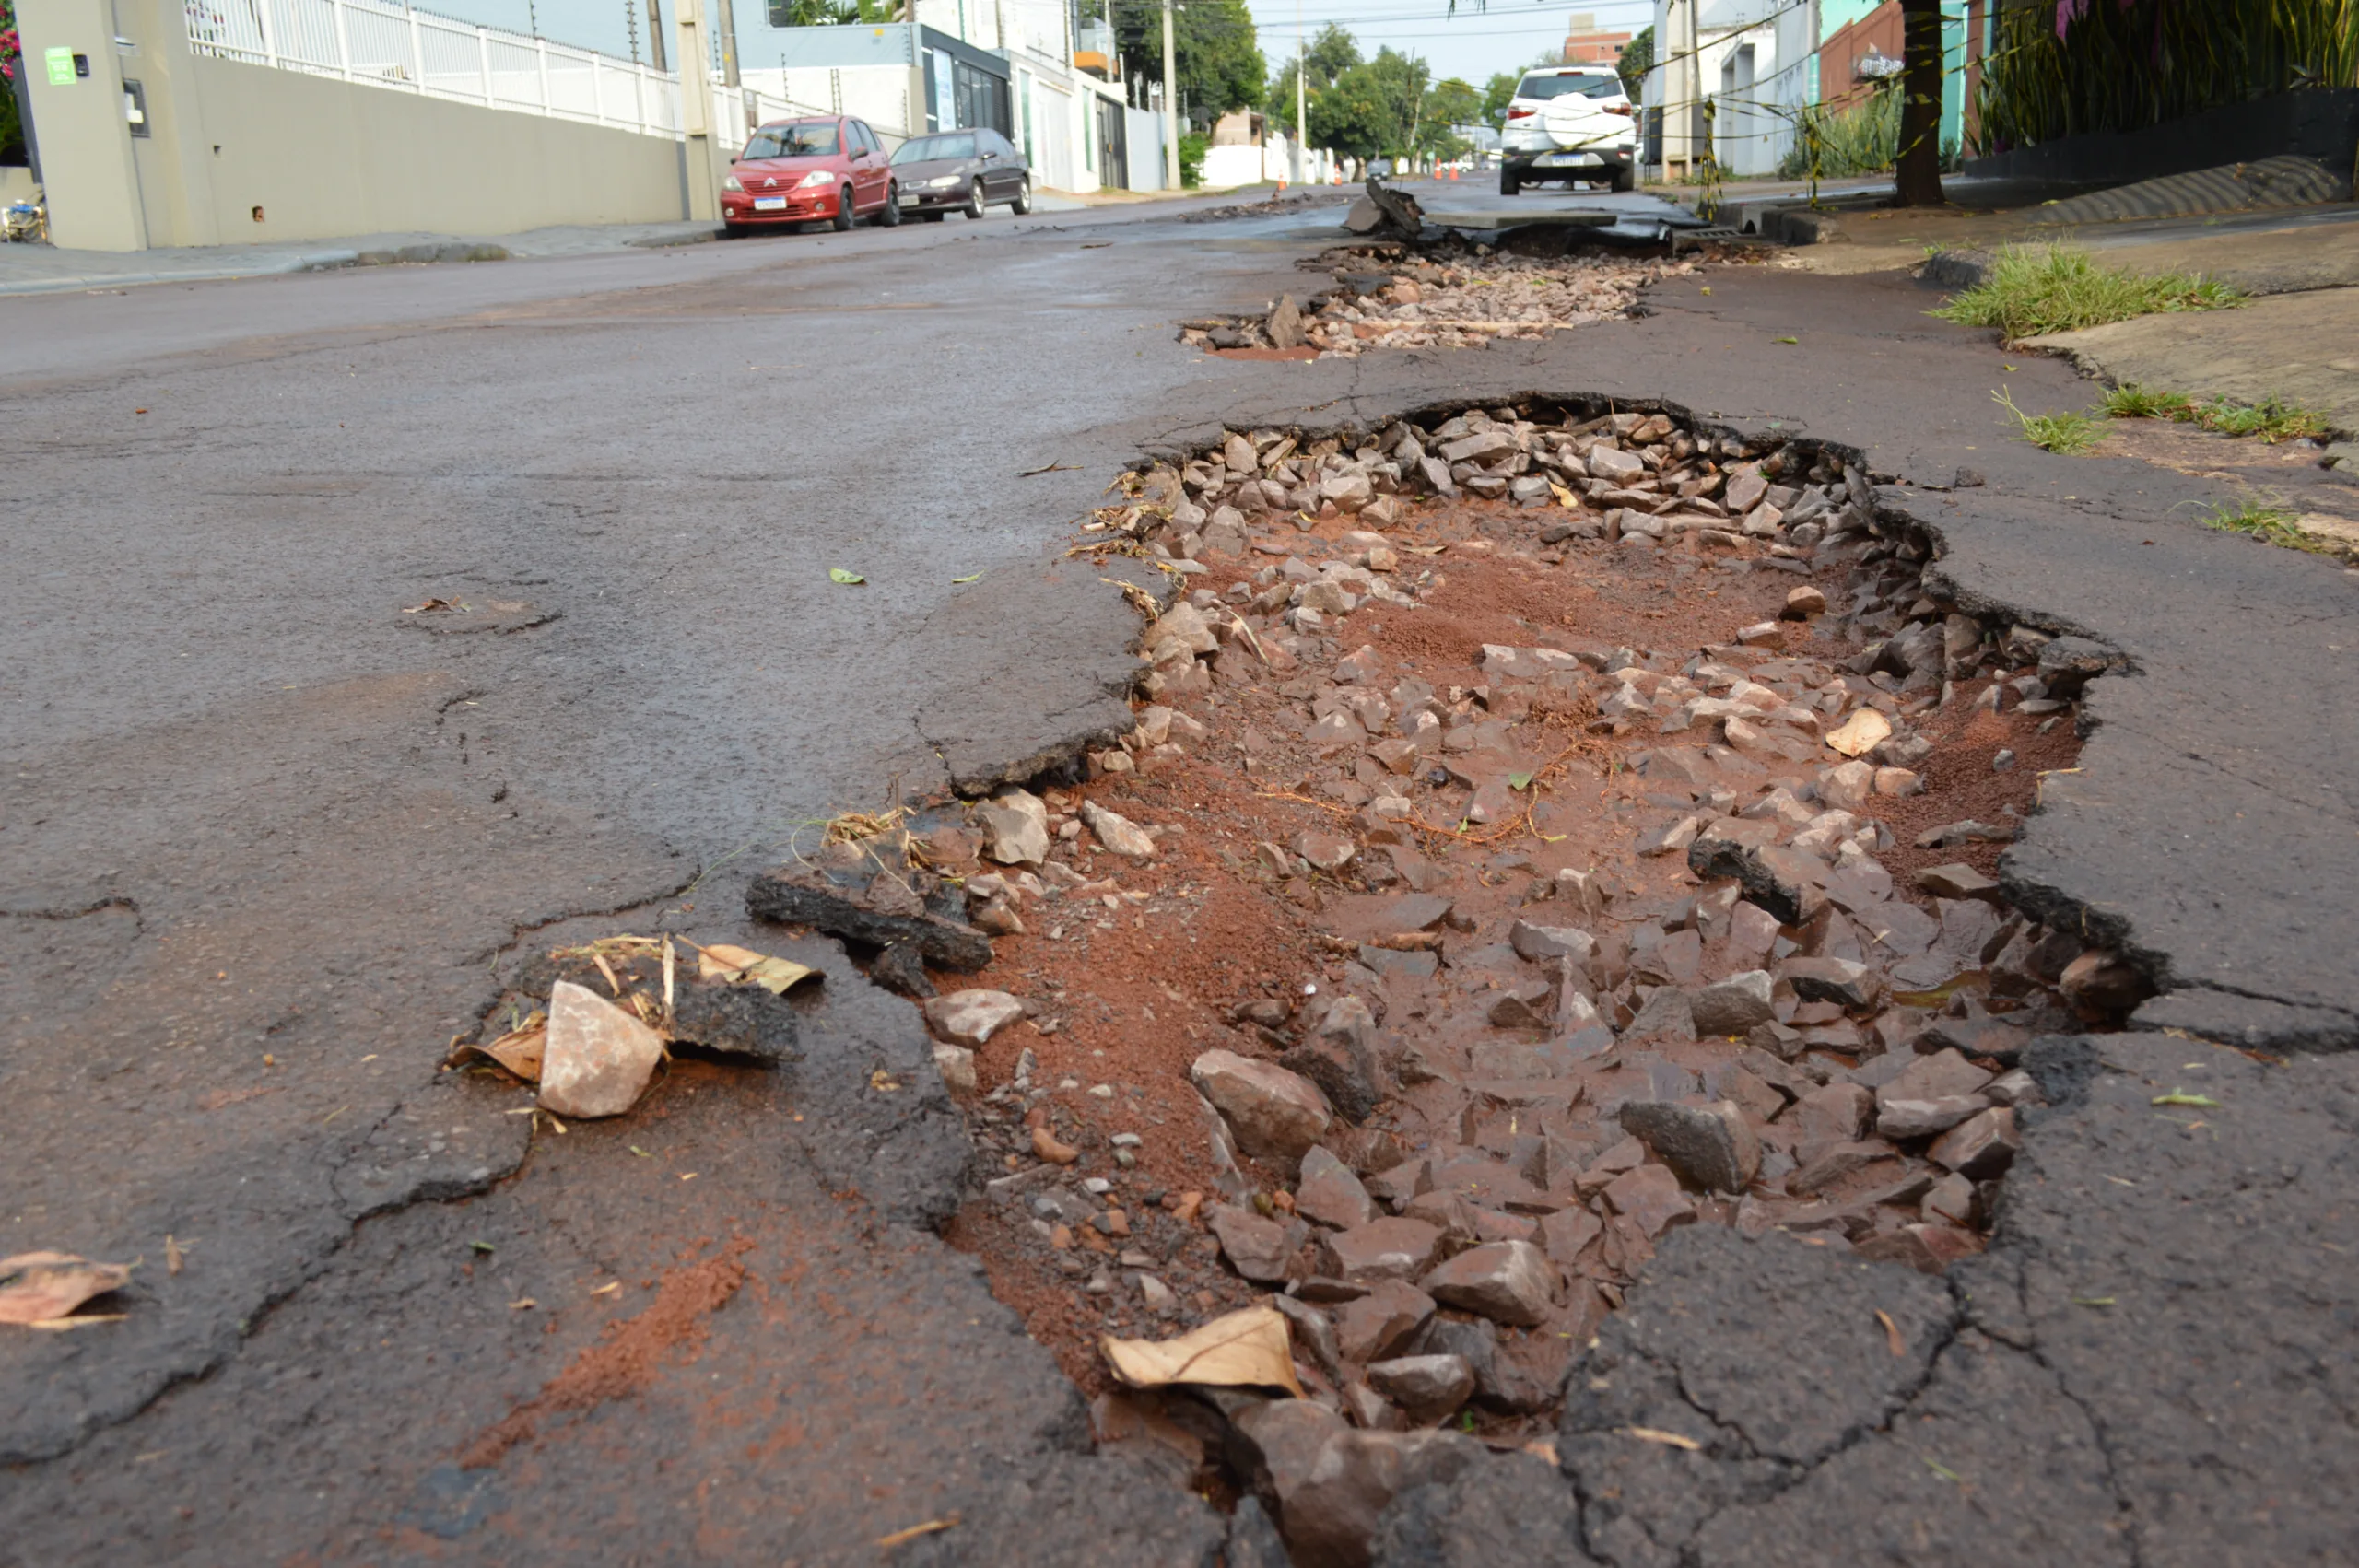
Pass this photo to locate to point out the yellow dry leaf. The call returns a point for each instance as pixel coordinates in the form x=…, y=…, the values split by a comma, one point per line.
x=743, y=966
x=1248, y=1348
x=1656, y=1435
x=1860, y=733
x=1565, y=498
x=518, y=1050
x=38, y=1289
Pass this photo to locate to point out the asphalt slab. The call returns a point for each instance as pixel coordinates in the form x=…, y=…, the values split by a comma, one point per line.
x=270, y=839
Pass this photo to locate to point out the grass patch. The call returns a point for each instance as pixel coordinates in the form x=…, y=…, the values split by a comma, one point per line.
x=2131, y=401
x=2272, y=419
x=2270, y=520
x=2069, y=434
x=2035, y=289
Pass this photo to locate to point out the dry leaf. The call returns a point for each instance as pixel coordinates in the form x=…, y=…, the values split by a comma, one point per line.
x=39, y=1288
x=1860, y=733
x=518, y=1050
x=1892, y=1333
x=742, y=966
x=1656, y=1435
x=174, y=1255
x=929, y=1527
x=433, y=604
x=1242, y=1350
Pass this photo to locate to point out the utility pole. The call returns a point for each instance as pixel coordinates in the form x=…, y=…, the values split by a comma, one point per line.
x=1301, y=93
x=1170, y=103
x=694, y=54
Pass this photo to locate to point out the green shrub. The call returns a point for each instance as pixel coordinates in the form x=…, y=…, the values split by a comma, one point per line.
x=1192, y=160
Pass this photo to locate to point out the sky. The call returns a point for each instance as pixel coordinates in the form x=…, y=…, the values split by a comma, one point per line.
x=1474, y=44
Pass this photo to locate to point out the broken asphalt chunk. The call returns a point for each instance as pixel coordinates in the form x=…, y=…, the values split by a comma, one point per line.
x=857, y=896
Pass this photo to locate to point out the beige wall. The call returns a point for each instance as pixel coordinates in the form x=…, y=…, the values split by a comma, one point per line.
x=324, y=158
x=85, y=155
x=321, y=158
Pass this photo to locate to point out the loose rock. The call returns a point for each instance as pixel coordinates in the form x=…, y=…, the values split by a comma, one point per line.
x=1118, y=833
x=598, y=1059
x=1710, y=1146
x=971, y=1017
x=1273, y=1112
x=1509, y=1282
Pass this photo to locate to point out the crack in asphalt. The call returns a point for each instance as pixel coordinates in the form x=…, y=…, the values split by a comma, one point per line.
x=2028, y=1347
x=119, y=901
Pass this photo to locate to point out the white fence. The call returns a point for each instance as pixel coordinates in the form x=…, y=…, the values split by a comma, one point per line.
x=385, y=45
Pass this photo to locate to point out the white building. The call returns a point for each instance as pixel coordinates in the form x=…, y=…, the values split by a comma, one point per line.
x=1753, y=63
x=1015, y=65
x=1073, y=119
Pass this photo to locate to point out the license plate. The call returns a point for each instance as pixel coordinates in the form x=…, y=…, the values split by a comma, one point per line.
x=769, y=203
x=1570, y=160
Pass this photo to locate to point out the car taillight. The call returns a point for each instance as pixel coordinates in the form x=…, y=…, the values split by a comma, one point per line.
x=1619, y=109
x=1522, y=114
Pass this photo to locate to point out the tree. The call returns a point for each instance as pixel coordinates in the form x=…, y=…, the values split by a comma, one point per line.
x=1353, y=116
x=12, y=133
x=1332, y=53
x=1220, y=63
x=1638, y=59
x=1374, y=110
x=1496, y=93
x=1450, y=102
x=1916, y=171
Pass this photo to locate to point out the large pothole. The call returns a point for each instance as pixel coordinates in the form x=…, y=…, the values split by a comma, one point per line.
x=1545, y=826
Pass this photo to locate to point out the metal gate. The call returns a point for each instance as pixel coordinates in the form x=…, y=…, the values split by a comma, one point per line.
x=1113, y=145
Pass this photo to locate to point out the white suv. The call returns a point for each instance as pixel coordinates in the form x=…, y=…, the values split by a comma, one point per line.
x=1573, y=124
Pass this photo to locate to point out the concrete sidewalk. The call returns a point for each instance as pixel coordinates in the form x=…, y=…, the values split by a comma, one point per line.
x=2300, y=264
x=46, y=269
x=2301, y=347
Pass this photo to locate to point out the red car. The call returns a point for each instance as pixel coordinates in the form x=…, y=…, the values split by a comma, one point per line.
x=798, y=172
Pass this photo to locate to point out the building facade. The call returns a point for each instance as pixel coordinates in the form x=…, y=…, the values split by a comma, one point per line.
x=1586, y=43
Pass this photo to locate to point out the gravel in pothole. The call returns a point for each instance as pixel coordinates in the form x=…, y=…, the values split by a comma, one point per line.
x=1543, y=828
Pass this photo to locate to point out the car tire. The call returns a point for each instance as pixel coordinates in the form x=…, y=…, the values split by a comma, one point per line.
x=1626, y=178
x=1023, y=202
x=889, y=214
x=844, y=215
x=974, y=207
x=1509, y=183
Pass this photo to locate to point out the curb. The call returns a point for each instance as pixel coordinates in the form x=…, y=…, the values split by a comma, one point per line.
x=317, y=261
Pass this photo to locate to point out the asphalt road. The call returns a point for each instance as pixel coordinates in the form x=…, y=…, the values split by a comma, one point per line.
x=266, y=838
